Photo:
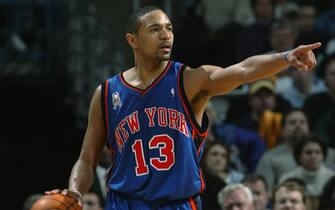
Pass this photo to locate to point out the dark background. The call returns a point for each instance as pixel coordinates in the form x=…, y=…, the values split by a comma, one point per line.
x=71, y=46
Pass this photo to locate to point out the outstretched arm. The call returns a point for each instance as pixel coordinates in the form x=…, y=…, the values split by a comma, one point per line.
x=214, y=80
x=206, y=81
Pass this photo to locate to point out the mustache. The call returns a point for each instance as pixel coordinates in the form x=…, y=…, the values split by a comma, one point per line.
x=166, y=44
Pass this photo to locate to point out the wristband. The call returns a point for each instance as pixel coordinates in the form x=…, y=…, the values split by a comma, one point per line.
x=78, y=193
x=285, y=55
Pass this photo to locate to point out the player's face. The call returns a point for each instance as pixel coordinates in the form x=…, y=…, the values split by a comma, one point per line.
x=155, y=36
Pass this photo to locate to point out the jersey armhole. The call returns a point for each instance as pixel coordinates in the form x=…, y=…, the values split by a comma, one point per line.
x=201, y=129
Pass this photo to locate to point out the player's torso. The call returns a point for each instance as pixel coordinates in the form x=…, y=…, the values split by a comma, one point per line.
x=156, y=155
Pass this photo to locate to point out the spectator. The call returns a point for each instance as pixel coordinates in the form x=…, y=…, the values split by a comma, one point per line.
x=307, y=15
x=246, y=146
x=327, y=197
x=236, y=197
x=320, y=108
x=310, y=201
x=218, y=172
x=289, y=195
x=309, y=154
x=258, y=186
x=254, y=39
x=283, y=37
x=279, y=159
x=291, y=84
x=301, y=86
x=91, y=201
x=263, y=111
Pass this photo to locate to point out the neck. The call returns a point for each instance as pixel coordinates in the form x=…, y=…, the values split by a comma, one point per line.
x=149, y=66
x=147, y=72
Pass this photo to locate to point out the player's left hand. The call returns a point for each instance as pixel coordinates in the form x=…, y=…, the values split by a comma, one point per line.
x=303, y=57
x=67, y=192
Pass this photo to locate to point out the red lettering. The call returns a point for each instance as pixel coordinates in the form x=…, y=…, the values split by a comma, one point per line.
x=162, y=119
x=133, y=123
x=151, y=114
x=125, y=133
x=173, y=119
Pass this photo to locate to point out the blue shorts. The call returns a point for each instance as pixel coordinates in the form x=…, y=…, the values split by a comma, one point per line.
x=118, y=201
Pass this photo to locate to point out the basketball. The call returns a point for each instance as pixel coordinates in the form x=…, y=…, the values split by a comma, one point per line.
x=56, y=202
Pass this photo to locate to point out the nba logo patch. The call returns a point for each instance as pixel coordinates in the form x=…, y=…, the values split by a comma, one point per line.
x=173, y=92
x=116, y=100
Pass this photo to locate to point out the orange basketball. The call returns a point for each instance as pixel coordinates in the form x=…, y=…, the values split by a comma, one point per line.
x=56, y=202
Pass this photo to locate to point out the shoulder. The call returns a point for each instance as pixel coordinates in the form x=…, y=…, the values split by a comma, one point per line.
x=100, y=88
x=270, y=156
x=295, y=173
x=197, y=75
x=326, y=171
x=96, y=98
x=202, y=68
x=277, y=150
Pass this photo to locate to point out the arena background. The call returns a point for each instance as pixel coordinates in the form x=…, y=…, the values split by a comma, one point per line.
x=53, y=54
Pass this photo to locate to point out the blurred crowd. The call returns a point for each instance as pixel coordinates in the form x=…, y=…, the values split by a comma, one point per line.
x=271, y=143
x=27, y=36
x=276, y=136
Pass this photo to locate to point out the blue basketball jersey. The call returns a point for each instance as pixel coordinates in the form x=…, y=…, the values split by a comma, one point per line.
x=155, y=139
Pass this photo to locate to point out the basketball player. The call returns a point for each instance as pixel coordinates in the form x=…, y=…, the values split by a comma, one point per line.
x=152, y=118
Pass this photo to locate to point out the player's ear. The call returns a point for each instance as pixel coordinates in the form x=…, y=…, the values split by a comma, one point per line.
x=131, y=39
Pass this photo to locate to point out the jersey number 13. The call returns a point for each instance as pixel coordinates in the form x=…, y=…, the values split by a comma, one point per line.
x=163, y=162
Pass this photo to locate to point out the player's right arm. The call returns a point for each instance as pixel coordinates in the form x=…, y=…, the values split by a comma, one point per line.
x=82, y=174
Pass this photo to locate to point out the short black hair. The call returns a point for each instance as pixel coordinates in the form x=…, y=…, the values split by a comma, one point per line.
x=133, y=23
x=251, y=178
x=311, y=138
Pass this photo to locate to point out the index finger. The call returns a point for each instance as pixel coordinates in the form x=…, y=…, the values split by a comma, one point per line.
x=50, y=192
x=311, y=46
